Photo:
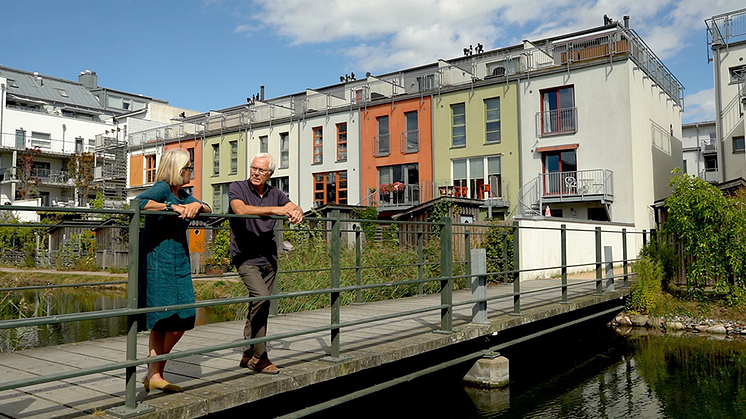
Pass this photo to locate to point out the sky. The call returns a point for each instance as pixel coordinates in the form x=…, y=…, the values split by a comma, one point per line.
x=212, y=54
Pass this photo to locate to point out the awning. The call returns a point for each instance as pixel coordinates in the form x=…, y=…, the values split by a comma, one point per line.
x=557, y=148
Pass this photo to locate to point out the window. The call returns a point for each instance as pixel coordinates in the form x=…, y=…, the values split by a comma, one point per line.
x=382, y=140
x=318, y=145
x=191, y=161
x=41, y=140
x=458, y=125
x=399, y=185
x=44, y=198
x=284, y=150
x=411, y=137
x=216, y=159
x=79, y=145
x=342, y=142
x=737, y=74
x=330, y=188
x=558, y=165
x=558, y=114
x=150, y=168
x=264, y=144
x=234, y=157
x=12, y=83
x=492, y=118
x=282, y=183
x=220, y=202
x=62, y=92
x=425, y=83
x=359, y=96
x=20, y=138
x=738, y=144
x=476, y=178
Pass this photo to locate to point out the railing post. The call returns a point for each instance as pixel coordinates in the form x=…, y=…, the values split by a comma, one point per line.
x=358, y=265
x=563, y=245
x=336, y=303
x=644, y=238
x=599, y=267
x=609, y=256
x=516, y=268
x=625, y=263
x=420, y=261
x=467, y=255
x=478, y=270
x=131, y=407
x=446, y=274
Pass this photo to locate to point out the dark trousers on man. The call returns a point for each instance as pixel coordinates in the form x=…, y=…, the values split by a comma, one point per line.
x=259, y=281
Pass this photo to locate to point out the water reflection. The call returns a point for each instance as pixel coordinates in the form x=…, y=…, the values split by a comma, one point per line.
x=36, y=303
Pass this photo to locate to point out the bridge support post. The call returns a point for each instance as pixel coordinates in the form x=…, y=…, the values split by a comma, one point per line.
x=446, y=274
x=131, y=407
x=563, y=246
x=479, y=285
x=490, y=371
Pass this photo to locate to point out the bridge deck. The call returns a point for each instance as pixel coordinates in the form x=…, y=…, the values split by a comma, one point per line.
x=213, y=381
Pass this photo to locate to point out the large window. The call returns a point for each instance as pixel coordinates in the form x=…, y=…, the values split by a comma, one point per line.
x=20, y=139
x=264, y=144
x=558, y=114
x=234, y=157
x=411, y=137
x=342, y=142
x=558, y=166
x=191, y=161
x=318, y=145
x=216, y=159
x=382, y=146
x=476, y=177
x=284, y=150
x=492, y=118
x=220, y=202
x=282, y=183
x=41, y=139
x=458, y=125
x=738, y=144
x=330, y=188
x=150, y=168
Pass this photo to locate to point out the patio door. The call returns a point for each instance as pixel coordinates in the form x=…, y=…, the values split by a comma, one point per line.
x=558, y=167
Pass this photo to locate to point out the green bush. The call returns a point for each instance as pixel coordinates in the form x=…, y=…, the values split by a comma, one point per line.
x=646, y=292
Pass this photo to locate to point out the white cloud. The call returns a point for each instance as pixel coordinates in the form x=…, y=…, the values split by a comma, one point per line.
x=393, y=34
x=700, y=106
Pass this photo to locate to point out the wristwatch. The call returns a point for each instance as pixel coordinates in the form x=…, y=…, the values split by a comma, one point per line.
x=168, y=206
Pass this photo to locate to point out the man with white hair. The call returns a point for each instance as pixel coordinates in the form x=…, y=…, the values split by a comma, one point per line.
x=254, y=250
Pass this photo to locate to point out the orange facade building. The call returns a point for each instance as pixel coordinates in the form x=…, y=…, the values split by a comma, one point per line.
x=396, y=154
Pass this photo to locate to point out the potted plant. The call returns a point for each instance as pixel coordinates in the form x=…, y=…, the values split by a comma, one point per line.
x=212, y=267
x=225, y=264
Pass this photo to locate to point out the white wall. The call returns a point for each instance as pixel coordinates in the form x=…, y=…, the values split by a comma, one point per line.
x=62, y=138
x=732, y=122
x=540, y=245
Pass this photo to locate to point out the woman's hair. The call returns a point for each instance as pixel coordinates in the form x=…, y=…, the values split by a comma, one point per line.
x=171, y=165
x=272, y=163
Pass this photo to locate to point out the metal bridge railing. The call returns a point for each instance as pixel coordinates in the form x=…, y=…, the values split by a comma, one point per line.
x=450, y=266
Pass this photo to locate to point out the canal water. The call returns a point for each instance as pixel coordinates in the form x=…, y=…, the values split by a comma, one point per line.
x=587, y=372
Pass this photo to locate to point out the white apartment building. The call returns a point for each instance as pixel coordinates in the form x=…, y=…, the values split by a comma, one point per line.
x=726, y=36
x=700, y=150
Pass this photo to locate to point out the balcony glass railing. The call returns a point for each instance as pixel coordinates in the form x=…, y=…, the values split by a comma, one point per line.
x=397, y=195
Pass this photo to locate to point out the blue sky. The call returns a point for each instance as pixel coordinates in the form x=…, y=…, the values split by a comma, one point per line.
x=212, y=54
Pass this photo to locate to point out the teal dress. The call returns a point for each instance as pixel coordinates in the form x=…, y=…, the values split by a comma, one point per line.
x=164, y=263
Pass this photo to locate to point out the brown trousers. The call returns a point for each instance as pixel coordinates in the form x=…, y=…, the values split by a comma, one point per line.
x=258, y=280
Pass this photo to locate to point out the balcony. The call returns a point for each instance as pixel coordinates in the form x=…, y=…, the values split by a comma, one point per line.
x=491, y=192
x=565, y=187
x=410, y=141
x=398, y=196
x=45, y=176
x=557, y=122
x=709, y=146
x=709, y=175
x=381, y=145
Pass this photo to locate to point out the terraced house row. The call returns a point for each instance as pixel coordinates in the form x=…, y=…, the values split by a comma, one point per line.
x=582, y=126
x=587, y=124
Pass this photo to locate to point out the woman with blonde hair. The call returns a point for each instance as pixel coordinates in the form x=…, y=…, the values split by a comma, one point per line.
x=164, y=260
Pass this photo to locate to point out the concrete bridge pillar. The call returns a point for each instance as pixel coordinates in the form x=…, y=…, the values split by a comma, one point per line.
x=490, y=371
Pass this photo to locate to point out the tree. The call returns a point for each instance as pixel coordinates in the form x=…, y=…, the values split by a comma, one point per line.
x=711, y=228
x=81, y=172
x=26, y=176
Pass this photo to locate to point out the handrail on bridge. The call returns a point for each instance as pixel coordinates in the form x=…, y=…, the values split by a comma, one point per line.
x=455, y=241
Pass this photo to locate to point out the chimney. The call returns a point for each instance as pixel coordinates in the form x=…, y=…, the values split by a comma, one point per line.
x=89, y=79
x=626, y=21
x=261, y=94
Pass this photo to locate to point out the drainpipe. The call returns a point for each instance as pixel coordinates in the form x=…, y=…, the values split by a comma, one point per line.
x=719, y=116
x=2, y=110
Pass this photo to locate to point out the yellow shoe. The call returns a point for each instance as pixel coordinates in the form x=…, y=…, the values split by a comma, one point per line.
x=162, y=385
